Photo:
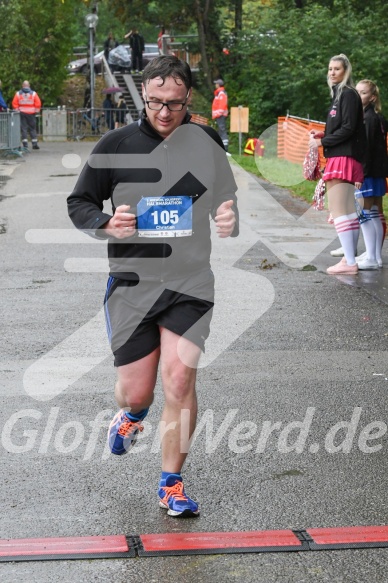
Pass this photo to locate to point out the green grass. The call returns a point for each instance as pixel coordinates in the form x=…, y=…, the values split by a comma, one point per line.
x=281, y=172
x=285, y=174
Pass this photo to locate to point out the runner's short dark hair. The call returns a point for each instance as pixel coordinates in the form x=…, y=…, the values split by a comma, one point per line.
x=168, y=66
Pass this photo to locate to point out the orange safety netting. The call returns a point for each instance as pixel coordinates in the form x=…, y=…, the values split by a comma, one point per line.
x=197, y=118
x=293, y=137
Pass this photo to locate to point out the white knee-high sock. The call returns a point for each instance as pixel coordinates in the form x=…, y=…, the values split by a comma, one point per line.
x=369, y=234
x=384, y=223
x=379, y=230
x=345, y=227
x=356, y=234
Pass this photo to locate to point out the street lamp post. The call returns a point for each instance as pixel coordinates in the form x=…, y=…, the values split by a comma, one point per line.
x=91, y=22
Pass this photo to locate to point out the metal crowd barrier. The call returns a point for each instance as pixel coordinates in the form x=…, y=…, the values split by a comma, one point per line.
x=10, y=131
x=59, y=124
x=82, y=124
x=85, y=123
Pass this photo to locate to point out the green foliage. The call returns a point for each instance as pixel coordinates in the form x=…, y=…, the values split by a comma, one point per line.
x=35, y=45
x=10, y=11
x=180, y=16
x=276, y=63
x=107, y=22
x=283, y=53
x=38, y=42
x=149, y=17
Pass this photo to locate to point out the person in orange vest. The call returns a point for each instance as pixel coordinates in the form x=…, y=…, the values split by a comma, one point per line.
x=220, y=111
x=254, y=146
x=28, y=103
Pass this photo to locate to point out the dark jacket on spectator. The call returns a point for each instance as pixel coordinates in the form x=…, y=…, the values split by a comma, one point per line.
x=376, y=161
x=345, y=129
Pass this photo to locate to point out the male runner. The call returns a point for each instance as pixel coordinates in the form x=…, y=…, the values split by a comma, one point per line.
x=166, y=178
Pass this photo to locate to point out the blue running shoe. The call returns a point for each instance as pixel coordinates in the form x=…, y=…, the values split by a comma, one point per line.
x=122, y=432
x=173, y=498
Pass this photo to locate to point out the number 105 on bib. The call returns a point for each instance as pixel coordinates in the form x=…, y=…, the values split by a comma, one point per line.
x=165, y=216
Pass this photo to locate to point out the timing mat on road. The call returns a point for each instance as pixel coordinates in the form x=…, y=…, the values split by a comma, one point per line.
x=192, y=543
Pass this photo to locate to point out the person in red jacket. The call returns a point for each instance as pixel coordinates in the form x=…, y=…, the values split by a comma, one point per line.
x=220, y=111
x=28, y=103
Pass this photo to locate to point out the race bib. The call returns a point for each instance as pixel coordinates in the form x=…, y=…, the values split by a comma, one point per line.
x=165, y=216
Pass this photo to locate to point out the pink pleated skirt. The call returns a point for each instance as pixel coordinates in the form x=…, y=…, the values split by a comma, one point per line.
x=343, y=168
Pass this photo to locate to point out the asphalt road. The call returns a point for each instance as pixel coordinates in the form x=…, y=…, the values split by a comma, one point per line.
x=293, y=353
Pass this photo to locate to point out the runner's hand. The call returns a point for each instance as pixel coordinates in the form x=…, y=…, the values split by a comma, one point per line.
x=225, y=219
x=122, y=224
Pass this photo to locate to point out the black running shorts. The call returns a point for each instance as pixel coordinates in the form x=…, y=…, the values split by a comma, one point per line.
x=134, y=313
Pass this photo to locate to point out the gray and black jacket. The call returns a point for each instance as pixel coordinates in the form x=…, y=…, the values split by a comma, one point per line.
x=135, y=162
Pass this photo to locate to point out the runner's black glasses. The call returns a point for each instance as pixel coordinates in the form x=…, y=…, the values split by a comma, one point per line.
x=158, y=105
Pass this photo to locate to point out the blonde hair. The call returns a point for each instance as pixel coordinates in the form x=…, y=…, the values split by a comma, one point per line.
x=375, y=93
x=347, y=80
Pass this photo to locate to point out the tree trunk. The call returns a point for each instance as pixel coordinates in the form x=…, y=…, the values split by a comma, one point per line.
x=238, y=12
x=202, y=12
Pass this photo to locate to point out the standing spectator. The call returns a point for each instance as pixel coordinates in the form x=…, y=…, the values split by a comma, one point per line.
x=344, y=144
x=136, y=42
x=109, y=44
x=87, y=105
x=108, y=107
x=160, y=39
x=28, y=103
x=3, y=105
x=87, y=96
x=376, y=170
x=121, y=111
x=164, y=40
x=220, y=111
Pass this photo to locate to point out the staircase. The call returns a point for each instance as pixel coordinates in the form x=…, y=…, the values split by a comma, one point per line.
x=131, y=91
x=137, y=77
